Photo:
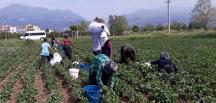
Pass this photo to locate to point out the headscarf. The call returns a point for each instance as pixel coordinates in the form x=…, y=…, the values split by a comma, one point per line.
x=103, y=38
x=164, y=55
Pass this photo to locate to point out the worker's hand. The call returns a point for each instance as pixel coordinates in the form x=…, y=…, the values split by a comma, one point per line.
x=55, y=49
x=111, y=88
x=104, y=88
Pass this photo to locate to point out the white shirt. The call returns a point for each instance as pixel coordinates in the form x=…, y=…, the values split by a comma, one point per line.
x=95, y=30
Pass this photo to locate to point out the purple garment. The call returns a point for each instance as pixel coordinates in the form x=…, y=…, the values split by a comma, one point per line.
x=107, y=49
x=161, y=63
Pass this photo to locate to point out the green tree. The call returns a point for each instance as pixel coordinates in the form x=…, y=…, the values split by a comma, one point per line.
x=47, y=30
x=203, y=14
x=184, y=27
x=80, y=29
x=74, y=27
x=135, y=28
x=176, y=26
x=117, y=24
x=149, y=27
x=190, y=26
x=159, y=27
x=83, y=25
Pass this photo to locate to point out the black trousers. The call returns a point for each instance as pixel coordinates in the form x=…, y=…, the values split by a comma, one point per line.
x=68, y=52
x=42, y=60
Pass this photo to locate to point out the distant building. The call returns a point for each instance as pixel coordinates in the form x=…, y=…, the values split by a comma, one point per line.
x=31, y=27
x=22, y=29
x=1, y=28
x=50, y=31
x=128, y=33
x=8, y=28
x=28, y=27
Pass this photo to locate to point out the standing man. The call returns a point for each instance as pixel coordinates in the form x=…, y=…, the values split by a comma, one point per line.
x=53, y=39
x=44, y=52
x=95, y=30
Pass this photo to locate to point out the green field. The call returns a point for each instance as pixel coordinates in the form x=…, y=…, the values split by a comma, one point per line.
x=193, y=53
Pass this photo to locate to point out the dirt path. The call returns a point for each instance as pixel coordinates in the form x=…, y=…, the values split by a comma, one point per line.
x=16, y=88
x=65, y=91
x=40, y=86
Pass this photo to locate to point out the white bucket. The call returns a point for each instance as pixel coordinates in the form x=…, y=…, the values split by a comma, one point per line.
x=56, y=59
x=74, y=72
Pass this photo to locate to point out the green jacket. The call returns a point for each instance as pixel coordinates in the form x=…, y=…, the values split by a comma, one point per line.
x=97, y=68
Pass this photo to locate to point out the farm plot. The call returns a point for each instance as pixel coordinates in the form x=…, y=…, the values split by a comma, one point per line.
x=21, y=80
x=194, y=82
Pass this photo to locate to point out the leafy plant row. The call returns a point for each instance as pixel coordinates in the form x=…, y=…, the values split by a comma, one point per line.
x=51, y=85
x=28, y=93
x=10, y=59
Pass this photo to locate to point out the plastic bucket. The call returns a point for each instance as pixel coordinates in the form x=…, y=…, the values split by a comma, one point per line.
x=57, y=57
x=59, y=46
x=84, y=66
x=74, y=73
x=92, y=92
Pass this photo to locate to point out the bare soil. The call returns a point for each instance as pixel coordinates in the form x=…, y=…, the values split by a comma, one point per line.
x=64, y=89
x=40, y=87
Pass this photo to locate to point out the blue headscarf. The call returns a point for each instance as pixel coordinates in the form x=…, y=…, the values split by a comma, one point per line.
x=164, y=55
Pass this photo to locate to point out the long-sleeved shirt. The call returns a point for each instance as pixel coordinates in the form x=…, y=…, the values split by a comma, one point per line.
x=97, y=69
x=107, y=49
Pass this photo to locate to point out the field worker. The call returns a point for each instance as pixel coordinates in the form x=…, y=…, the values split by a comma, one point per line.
x=55, y=44
x=67, y=46
x=44, y=52
x=102, y=71
x=95, y=30
x=127, y=53
x=106, y=44
x=165, y=64
x=53, y=39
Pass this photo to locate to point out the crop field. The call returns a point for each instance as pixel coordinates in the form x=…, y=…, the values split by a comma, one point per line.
x=194, y=54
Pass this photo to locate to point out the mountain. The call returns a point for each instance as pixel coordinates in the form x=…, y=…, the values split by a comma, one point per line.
x=17, y=14
x=158, y=16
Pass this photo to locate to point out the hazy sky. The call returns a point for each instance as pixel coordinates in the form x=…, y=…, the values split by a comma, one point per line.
x=102, y=8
